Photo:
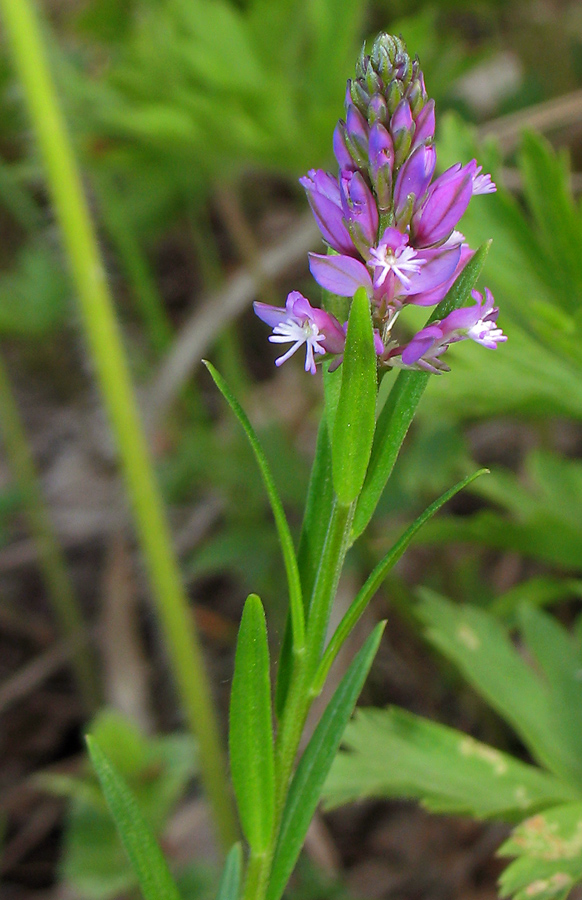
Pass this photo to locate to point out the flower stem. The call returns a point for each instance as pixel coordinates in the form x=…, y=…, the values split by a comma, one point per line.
x=106, y=347
x=299, y=696
x=53, y=566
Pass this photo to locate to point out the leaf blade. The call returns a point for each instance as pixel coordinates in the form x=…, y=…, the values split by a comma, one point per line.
x=140, y=845
x=353, y=429
x=285, y=539
x=230, y=881
x=251, y=729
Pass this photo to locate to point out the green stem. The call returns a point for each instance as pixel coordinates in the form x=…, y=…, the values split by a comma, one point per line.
x=106, y=347
x=328, y=575
x=299, y=696
x=256, y=877
x=53, y=566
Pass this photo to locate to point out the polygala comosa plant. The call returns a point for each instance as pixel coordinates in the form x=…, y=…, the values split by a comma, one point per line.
x=390, y=227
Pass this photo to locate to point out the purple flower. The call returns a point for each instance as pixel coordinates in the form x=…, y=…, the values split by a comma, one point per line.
x=301, y=323
x=391, y=225
x=323, y=193
x=394, y=257
x=446, y=200
x=482, y=184
x=478, y=323
x=340, y=275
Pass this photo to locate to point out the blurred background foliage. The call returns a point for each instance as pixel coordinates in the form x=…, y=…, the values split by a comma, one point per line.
x=193, y=120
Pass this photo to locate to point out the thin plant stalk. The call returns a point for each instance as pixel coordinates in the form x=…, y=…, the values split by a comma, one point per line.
x=53, y=567
x=300, y=698
x=104, y=339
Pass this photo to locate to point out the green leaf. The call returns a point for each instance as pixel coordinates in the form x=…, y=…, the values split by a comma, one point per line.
x=145, y=856
x=376, y=578
x=229, y=888
x=448, y=771
x=315, y=764
x=251, y=730
x=558, y=659
x=353, y=430
x=549, y=851
x=400, y=407
x=286, y=541
x=480, y=647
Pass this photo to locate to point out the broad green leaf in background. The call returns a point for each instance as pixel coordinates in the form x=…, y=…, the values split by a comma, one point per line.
x=230, y=882
x=548, y=848
x=354, y=423
x=251, y=728
x=400, y=407
x=480, y=647
x=560, y=664
x=145, y=856
x=393, y=753
x=544, y=513
x=534, y=271
x=315, y=764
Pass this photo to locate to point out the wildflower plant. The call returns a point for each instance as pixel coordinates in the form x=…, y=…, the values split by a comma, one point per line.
x=390, y=228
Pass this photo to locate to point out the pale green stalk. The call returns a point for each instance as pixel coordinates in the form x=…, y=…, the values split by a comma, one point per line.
x=300, y=697
x=53, y=567
x=106, y=348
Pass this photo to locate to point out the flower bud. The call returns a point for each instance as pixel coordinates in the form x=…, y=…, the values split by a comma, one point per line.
x=378, y=110
x=359, y=96
x=425, y=124
x=357, y=135
x=394, y=94
x=381, y=157
x=414, y=176
x=401, y=118
x=341, y=152
x=360, y=210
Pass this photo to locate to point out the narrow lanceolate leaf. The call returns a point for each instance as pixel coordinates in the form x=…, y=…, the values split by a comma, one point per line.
x=400, y=407
x=143, y=851
x=251, y=729
x=376, y=578
x=229, y=888
x=353, y=430
x=285, y=539
x=315, y=764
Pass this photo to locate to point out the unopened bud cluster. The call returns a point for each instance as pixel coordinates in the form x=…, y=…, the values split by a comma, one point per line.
x=390, y=224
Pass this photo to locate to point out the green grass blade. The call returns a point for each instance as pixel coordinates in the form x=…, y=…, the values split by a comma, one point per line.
x=315, y=764
x=376, y=578
x=287, y=548
x=398, y=413
x=251, y=730
x=230, y=882
x=146, y=858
